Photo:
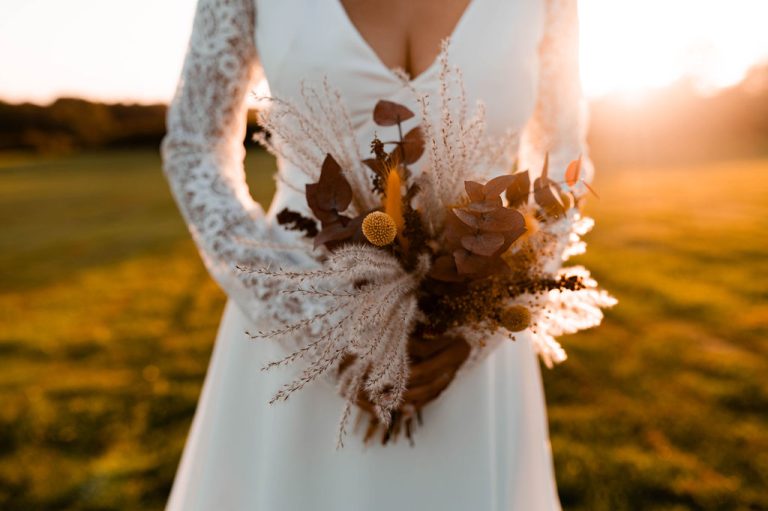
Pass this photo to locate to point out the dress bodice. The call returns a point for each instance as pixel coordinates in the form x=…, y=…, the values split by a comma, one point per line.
x=494, y=43
x=518, y=57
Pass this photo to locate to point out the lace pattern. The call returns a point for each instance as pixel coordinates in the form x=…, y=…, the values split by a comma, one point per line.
x=203, y=156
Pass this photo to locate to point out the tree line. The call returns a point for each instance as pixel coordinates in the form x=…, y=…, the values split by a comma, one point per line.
x=671, y=125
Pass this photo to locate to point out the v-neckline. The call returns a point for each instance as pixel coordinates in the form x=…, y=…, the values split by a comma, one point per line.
x=392, y=72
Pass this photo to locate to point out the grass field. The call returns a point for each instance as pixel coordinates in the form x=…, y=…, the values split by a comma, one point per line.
x=107, y=318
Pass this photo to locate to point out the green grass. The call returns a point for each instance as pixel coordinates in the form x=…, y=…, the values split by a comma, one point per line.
x=107, y=318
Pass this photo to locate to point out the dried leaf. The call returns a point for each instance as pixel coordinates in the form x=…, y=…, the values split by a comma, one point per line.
x=572, y=172
x=377, y=166
x=468, y=263
x=455, y=229
x=342, y=230
x=295, y=221
x=475, y=190
x=325, y=216
x=518, y=191
x=485, y=206
x=495, y=186
x=413, y=145
x=546, y=198
x=331, y=194
x=545, y=168
x=388, y=113
x=484, y=243
x=467, y=218
x=444, y=269
x=501, y=220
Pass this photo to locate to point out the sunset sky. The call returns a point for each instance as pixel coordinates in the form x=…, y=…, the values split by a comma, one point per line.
x=118, y=50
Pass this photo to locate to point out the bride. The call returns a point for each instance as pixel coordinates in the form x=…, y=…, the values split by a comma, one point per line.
x=484, y=443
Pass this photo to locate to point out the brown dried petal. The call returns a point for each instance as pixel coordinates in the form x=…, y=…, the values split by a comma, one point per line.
x=388, y=113
x=484, y=243
x=518, y=191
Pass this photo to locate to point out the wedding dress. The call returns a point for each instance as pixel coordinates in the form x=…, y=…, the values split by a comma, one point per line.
x=484, y=442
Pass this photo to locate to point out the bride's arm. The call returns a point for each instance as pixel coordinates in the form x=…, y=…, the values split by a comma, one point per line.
x=559, y=122
x=203, y=151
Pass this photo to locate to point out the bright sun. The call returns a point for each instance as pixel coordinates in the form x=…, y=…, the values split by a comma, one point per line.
x=631, y=46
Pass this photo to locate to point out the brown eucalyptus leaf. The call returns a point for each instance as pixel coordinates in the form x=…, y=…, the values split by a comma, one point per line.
x=475, y=265
x=333, y=191
x=468, y=263
x=444, y=269
x=484, y=206
x=501, y=219
x=413, y=145
x=545, y=168
x=377, y=166
x=495, y=186
x=483, y=243
x=332, y=232
x=547, y=199
x=324, y=215
x=572, y=172
x=455, y=229
x=475, y=190
x=343, y=229
x=388, y=113
x=519, y=189
x=469, y=219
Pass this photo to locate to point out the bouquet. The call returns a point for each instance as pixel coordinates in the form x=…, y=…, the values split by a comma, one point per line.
x=416, y=270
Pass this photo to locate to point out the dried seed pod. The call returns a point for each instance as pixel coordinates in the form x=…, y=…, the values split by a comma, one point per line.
x=379, y=228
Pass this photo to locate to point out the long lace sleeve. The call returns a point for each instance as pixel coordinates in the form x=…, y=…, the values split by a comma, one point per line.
x=559, y=123
x=203, y=155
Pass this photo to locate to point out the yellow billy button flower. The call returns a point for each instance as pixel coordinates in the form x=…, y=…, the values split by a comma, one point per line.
x=515, y=318
x=379, y=228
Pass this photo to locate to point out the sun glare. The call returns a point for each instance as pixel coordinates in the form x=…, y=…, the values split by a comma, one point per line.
x=133, y=50
x=631, y=47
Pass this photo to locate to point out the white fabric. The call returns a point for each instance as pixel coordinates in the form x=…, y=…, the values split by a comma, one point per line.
x=484, y=442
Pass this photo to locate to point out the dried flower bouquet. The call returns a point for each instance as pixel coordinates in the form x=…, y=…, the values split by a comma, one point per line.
x=415, y=271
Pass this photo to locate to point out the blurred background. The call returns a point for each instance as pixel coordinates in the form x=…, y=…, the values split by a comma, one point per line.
x=107, y=316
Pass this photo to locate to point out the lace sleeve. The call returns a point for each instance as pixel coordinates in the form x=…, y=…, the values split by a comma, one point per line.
x=559, y=122
x=203, y=155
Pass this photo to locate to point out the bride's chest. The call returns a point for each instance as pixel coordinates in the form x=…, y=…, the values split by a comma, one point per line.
x=494, y=43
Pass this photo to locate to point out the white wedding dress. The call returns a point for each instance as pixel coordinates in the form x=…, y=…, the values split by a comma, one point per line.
x=484, y=442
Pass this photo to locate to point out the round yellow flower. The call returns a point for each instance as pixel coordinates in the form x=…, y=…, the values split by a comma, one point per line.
x=379, y=228
x=515, y=318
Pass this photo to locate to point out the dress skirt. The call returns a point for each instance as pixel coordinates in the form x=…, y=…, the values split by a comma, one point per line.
x=483, y=445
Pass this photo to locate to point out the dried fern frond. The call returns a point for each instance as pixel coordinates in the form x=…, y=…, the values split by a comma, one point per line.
x=368, y=311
